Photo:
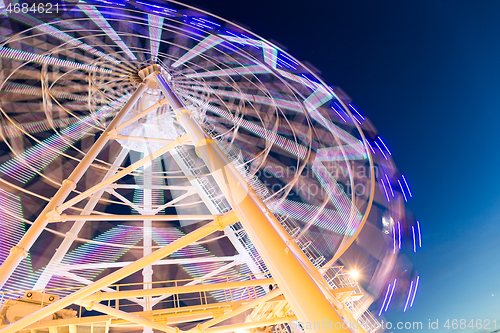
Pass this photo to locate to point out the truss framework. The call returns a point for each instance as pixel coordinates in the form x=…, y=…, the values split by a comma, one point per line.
x=303, y=293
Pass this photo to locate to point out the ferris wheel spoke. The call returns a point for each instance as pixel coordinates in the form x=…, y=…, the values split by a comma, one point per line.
x=300, y=79
x=284, y=143
x=36, y=91
x=36, y=127
x=37, y=157
x=336, y=193
x=49, y=29
x=339, y=132
x=155, y=30
x=243, y=70
x=97, y=17
x=270, y=53
x=276, y=102
x=319, y=97
x=321, y=217
x=339, y=220
x=207, y=43
x=28, y=56
x=355, y=149
x=339, y=153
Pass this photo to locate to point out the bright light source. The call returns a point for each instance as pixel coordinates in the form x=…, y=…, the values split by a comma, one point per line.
x=354, y=274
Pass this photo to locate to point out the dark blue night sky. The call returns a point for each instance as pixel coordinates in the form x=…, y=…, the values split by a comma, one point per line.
x=427, y=74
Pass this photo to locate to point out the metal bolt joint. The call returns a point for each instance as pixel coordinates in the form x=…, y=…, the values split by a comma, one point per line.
x=181, y=112
x=71, y=182
x=17, y=249
x=71, y=235
x=203, y=142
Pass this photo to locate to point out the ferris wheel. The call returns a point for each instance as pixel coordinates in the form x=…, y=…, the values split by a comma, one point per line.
x=165, y=169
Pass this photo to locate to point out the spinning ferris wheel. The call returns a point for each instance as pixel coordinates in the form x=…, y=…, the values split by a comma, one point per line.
x=164, y=169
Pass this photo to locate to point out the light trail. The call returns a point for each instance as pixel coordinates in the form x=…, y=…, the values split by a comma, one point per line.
x=385, y=298
x=359, y=114
x=54, y=32
x=399, y=233
x=33, y=57
x=393, y=240
x=390, y=297
x=207, y=43
x=155, y=29
x=402, y=191
x=409, y=192
x=383, y=154
x=408, y=298
x=419, y=235
x=384, y=145
x=98, y=19
x=390, y=186
x=414, y=242
x=385, y=190
x=415, y=292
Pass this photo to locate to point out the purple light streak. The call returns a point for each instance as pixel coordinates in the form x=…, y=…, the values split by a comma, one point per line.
x=390, y=297
x=207, y=21
x=247, y=37
x=390, y=186
x=385, y=298
x=380, y=150
x=371, y=147
x=403, y=191
x=408, y=298
x=160, y=7
x=287, y=57
x=359, y=114
x=399, y=232
x=415, y=292
x=338, y=114
x=411, y=196
x=354, y=116
x=385, y=190
x=384, y=145
x=414, y=243
x=419, y=235
x=393, y=240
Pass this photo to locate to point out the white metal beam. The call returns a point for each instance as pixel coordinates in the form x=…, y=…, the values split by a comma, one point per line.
x=58, y=209
x=88, y=282
x=66, y=267
x=199, y=280
x=53, y=265
x=217, y=224
x=154, y=187
x=20, y=251
x=130, y=317
x=64, y=217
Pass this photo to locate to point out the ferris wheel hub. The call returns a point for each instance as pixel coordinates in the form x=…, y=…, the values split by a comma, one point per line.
x=158, y=124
